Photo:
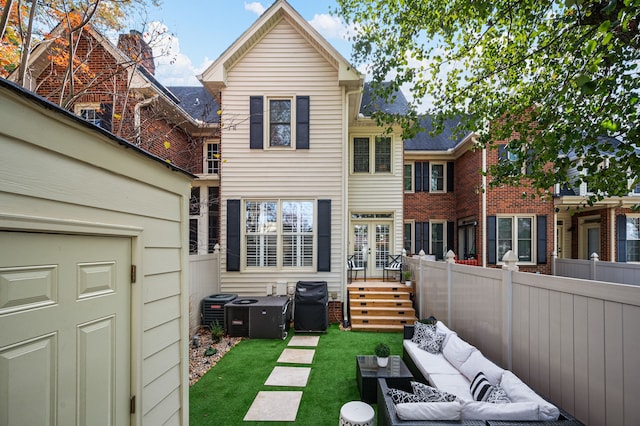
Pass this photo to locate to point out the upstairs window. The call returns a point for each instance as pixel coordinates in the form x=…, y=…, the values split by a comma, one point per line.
x=280, y=122
x=369, y=151
x=408, y=178
x=212, y=158
x=437, y=177
x=99, y=114
x=361, y=155
x=429, y=176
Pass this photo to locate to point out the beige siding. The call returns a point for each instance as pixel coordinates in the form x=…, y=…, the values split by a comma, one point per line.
x=59, y=176
x=284, y=63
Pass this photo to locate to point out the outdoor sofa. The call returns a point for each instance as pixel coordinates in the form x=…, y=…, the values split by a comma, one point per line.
x=452, y=369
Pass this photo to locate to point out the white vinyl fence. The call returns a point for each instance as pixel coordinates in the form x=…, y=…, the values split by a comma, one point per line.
x=204, y=280
x=595, y=269
x=576, y=342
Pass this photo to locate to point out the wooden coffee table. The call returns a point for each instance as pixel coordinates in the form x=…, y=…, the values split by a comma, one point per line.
x=368, y=372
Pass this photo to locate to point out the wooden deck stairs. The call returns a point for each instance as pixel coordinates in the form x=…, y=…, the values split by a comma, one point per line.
x=380, y=306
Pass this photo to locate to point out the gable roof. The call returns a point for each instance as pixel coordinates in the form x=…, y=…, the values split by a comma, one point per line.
x=450, y=137
x=370, y=104
x=215, y=76
x=197, y=102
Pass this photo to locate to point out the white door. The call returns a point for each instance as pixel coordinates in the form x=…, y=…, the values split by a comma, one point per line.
x=372, y=243
x=65, y=321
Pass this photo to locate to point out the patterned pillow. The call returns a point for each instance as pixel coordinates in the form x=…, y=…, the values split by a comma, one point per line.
x=399, y=396
x=421, y=331
x=497, y=395
x=480, y=387
x=433, y=342
x=430, y=394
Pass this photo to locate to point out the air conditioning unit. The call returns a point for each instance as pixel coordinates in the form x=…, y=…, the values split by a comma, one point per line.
x=213, y=308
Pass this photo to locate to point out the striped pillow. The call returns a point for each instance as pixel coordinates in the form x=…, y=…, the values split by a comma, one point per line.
x=480, y=387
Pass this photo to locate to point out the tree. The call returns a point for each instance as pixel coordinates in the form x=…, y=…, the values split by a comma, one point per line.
x=558, y=80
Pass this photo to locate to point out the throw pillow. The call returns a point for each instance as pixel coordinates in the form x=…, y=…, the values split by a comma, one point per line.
x=421, y=331
x=480, y=387
x=399, y=396
x=497, y=395
x=433, y=342
x=431, y=394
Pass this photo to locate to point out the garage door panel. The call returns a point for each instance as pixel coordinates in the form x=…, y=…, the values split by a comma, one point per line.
x=28, y=381
x=96, y=279
x=28, y=287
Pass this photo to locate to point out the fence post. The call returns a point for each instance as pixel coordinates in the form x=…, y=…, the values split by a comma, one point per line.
x=450, y=258
x=510, y=259
x=593, y=275
x=216, y=251
x=420, y=286
x=554, y=259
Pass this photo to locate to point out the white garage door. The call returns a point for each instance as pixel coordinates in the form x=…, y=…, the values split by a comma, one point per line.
x=64, y=329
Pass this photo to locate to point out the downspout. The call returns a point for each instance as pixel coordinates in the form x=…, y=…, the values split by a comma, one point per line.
x=345, y=198
x=484, y=208
x=136, y=116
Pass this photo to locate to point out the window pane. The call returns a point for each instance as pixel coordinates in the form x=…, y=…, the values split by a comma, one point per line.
x=213, y=160
x=280, y=122
x=262, y=250
x=437, y=177
x=297, y=228
x=214, y=212
x=383, y=155
x=408, y=177
x=193, y=236
x=633, y=239
x=194, y=202
x=407, y=241
x=524, y=239
x=261, y=217
x=437, y=240
x=505, y=232
x=361, y=155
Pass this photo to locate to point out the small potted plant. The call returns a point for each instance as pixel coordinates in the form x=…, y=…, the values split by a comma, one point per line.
x=407, y=278
x=382, y=354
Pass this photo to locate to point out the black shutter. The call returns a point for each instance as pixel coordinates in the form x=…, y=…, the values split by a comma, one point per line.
x=233, y=235
x=256, y=128
x=425, y=238
x=542, y=239
x=106, y=116
x=621, y=220
x=450, y=176
x=302, y=122
x=491, y=240
x=426, y=177
x=324, y=235
x=451, y=230
x=418, y=179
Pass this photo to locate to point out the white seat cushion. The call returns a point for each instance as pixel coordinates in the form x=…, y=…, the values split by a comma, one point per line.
x=475, y=410
x=429, y=410
x=427, y=362
x=518, y=391
x=456, y=384
x=477, y=363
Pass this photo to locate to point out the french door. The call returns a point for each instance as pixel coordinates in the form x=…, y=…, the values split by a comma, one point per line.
x=371, y=245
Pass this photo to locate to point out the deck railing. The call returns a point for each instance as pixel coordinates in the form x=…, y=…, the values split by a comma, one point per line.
x=575, y=341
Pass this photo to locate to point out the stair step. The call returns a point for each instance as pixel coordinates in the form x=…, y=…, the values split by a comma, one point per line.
x=382, y=320
x=379, y=295
x=390, y=303
x=381, y=311
x=386, y=288
x=377, y=327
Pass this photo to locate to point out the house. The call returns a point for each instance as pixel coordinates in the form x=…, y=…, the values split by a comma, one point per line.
x=93, y=273
x=305, y=178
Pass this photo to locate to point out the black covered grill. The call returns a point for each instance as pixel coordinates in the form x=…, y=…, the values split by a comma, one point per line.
x=311, y=310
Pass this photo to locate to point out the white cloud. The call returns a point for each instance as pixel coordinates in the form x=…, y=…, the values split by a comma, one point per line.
x=255, y=7
x=329, y=26
x=172, y=67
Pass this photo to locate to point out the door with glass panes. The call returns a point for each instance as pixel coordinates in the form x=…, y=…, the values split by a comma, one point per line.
x=371, y=244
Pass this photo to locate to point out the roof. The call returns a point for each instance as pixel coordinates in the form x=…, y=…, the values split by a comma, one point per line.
x=46, y=104
x=449, y=138
x=370, y=104
x=197, y=102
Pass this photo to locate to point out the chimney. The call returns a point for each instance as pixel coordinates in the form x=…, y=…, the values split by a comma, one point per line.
x=136, y=48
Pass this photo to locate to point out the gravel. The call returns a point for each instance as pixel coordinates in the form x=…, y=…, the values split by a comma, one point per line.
x=199, y=363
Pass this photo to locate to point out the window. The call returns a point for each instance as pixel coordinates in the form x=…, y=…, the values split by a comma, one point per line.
x=194, y=213
x=437, y=239
x=212, y=158
x=515, y=233
x=213, y=203
x=279, y=234
x=99, y=114
x=437, y=177
x=280, y=122
x=633, y=239
x=407, y=233
x=376, y=151
x=408, y=178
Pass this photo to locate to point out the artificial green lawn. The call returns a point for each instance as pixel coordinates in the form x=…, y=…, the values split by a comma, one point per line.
x=225, y=393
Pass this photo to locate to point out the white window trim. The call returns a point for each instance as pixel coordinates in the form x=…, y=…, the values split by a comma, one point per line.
x=444, y=237
x=514, y=237
x=279, y=235
x=372, y=154
x=77, y=108
x=412, y=178
x=205, y=159
x=444, y=177
x=267, y=123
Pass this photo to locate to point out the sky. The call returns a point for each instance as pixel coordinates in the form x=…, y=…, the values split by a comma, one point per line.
x=198, y=31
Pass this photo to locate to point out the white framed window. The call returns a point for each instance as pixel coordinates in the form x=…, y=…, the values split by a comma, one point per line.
x=408, y=183
x=279, y=234
x=211, y=158
x=633, y=238
x=516, y=233
x=437, y=238
x=99, y=114
x=368, y=151
x=438, y=176
x=281, y=115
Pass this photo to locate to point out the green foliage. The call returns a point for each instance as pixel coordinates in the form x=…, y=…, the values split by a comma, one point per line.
x=557, y=80
x=217, y=331
x=210, y=351
x=406, y=275
x=382, y=350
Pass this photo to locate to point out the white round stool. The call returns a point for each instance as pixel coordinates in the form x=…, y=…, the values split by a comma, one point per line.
x=356, y=413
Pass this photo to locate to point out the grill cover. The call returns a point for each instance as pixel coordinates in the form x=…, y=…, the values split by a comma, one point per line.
x=311, y=310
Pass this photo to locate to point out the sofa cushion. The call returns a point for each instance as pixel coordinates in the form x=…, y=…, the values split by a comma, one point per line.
x=432, y=343
x=498, y=395
x=480, y=387
x=457, y=351
x=518, y=391
x=399, y=396
x=441, y=328
x=429, y=411
x=431, y=394
x=477, y=363
x=427, y=362
x=456, y=384
x=476, y=410
x=422, y=332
